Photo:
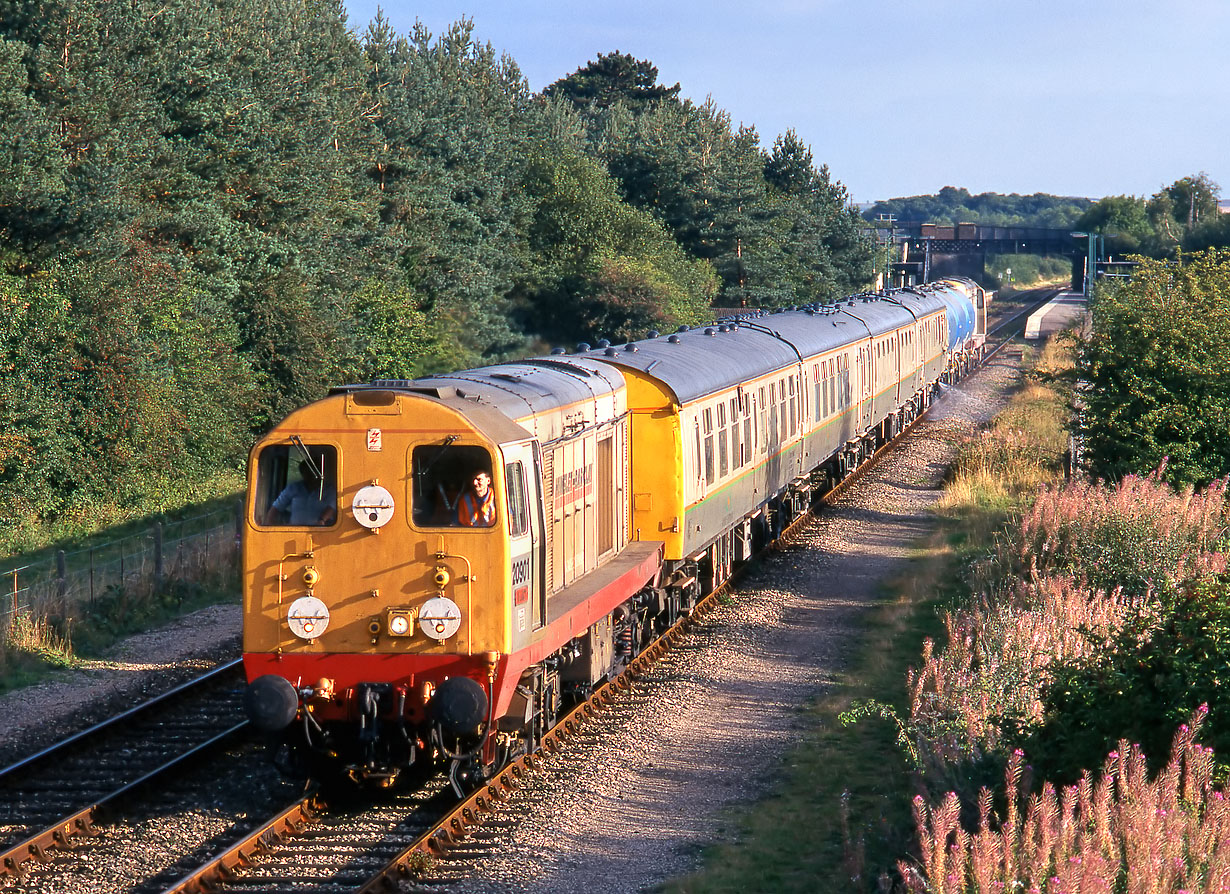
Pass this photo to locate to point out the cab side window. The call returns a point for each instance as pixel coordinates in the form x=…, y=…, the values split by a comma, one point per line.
x=518, y=502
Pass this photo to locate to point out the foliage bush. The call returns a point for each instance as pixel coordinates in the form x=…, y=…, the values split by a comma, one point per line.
x=1139, y=536
x=1103, y=614
x=1157, y=372
x=1140, y=685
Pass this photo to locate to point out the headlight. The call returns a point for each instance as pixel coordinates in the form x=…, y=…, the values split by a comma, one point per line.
x=372, y=507
x=439, y=618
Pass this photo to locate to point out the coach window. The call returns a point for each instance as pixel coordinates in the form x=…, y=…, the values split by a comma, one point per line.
x=747, y=430
x=296, y=486
x=736, y=449
x=723, y=454
x=518, y=503
x=781, y=396
x=794, y=408
x=696, y=430
x=708, y=445
x=442, y=486
x=763, y=422
x=772, y=430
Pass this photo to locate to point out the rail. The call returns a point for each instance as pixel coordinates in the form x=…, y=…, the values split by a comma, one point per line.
x=108, y=753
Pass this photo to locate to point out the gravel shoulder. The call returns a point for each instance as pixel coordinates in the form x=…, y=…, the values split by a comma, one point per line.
x=140, y=667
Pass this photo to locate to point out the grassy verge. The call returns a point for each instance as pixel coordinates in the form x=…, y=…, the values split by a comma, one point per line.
x=36, y=644
x=51, y=627
x=841, y=817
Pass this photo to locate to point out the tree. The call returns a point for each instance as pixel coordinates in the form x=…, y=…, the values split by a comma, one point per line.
x=1122, y=218
x=1176, y=210
x=452, y=121
x=32, y=173
x=612, y=78
x=1158, y=371
x=956, y=205
x=602, y=268
x=831, y=256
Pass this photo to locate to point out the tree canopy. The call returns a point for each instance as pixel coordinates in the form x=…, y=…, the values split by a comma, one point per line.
x=952, y=205
x=211, y=212
x=1181, y=216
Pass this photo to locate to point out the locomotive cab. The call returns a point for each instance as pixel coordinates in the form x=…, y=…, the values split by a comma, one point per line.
x=419, y=567
x=374, y=594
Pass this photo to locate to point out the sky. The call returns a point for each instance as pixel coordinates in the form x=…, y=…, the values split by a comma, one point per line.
x=903, y=97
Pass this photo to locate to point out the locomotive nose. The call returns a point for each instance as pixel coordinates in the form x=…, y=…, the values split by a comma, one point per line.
x=271, y=703
x=459, y=705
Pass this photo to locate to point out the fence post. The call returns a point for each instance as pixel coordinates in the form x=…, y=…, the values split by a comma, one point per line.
x=61, y=575
x=158, y=566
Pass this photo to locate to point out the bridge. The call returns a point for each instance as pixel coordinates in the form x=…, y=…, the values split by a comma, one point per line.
x=929, y=251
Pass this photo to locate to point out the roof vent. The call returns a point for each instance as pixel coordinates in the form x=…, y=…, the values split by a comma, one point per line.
x=682, y=329
x=604, y=343
x=631, y=348
x=653, y=333
x=610, y=352
x=583, y=346
x=559, y=350
x=674, y=339
x=710, y=331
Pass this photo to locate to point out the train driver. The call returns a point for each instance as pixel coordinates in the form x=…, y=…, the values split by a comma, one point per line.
x=304, y=502
x=476, y=508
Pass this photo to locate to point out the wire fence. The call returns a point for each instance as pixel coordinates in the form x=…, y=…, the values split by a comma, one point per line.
x=184, y=550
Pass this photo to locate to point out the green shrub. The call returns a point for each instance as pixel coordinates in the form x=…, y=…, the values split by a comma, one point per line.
x=1148, y=681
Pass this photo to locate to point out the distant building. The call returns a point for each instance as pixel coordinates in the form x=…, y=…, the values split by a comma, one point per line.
x=1223, y=206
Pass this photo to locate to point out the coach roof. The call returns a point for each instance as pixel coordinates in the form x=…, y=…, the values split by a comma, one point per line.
x=695, y=362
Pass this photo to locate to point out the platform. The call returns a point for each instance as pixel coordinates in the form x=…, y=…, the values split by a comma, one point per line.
x=1060, y=313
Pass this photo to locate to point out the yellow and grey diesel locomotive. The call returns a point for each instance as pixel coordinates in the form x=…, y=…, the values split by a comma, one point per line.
x=434, y=568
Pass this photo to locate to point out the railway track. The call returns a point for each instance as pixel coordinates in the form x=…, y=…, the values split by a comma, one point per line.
x=53, y=799
x=329, y=848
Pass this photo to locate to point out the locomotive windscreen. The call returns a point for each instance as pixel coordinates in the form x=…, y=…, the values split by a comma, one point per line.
x=296, y=485
x=442, y=474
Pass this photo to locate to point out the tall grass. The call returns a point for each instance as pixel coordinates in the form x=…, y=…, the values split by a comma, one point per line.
x=1024, y=448
x=57, y=629
x=1085, y=575
x=1117, y=830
